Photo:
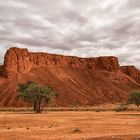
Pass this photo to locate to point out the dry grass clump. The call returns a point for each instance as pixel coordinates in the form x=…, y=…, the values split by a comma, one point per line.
x=121, y=107
x=76, y=130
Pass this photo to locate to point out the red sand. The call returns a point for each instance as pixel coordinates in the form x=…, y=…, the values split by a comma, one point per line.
x=63, y=126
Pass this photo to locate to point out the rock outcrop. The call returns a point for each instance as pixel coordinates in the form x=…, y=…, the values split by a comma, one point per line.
x=16, y=61
x=132, y=71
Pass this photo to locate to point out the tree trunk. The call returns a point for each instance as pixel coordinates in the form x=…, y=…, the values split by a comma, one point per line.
x=34, y=106
x=38, y=107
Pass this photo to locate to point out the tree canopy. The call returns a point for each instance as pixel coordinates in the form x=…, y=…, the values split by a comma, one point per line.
x=38, y=95
x=134, y=98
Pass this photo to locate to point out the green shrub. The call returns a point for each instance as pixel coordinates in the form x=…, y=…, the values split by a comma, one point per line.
x=134, y=98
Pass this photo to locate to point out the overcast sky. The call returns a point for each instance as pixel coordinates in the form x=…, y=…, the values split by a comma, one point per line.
x=85, y=28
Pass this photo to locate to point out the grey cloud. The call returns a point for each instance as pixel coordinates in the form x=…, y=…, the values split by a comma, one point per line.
x=73, y=27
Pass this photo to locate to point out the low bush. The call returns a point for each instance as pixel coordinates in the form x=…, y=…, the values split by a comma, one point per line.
x=121, y=107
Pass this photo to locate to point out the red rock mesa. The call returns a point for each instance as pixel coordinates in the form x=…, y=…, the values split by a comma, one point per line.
x=79, y=81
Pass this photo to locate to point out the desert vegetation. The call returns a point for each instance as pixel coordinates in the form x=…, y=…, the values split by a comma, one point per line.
x=134, y=98
x=39, y=96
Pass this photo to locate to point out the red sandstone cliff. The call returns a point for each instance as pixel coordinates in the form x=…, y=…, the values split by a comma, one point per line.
x=79, y=81
x=1, y=70
x=21, y=61
x=132, y=71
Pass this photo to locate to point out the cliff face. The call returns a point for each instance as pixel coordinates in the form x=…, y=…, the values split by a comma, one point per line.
x=21, y=61
x=79, y=81
x=1, y=70
x=132, y=71
x=16, y=61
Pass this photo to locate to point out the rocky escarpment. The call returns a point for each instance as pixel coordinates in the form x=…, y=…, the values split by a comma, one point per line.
x=16, y=61
x=132, y=71
x=21, y=61
x=79, y=81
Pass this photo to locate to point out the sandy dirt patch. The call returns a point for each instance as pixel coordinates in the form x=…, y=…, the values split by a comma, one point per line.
x=70, y=125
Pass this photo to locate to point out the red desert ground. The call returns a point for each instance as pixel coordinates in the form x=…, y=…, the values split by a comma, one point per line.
x=79, y=82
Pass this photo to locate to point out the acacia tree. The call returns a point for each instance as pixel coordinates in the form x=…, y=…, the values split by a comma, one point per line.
x=38, y=95
x=134, y=98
